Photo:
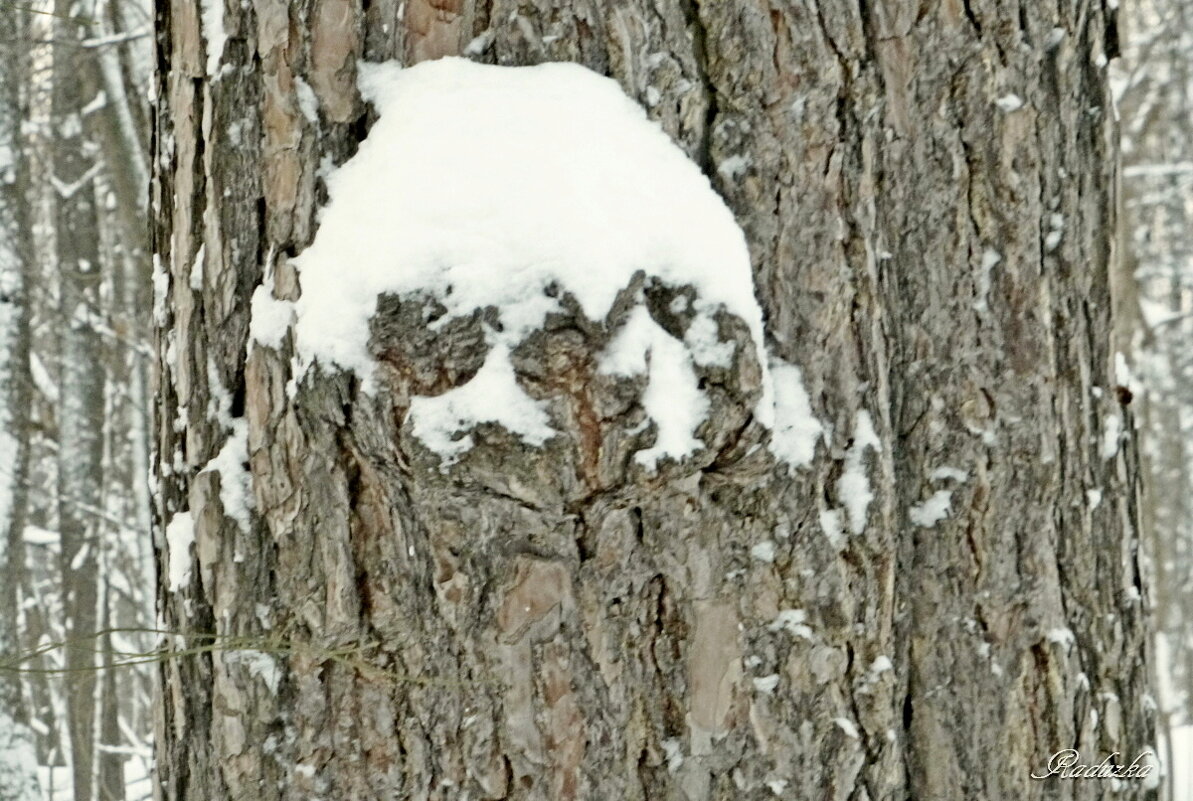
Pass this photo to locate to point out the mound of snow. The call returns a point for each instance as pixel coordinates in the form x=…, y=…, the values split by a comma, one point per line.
x=483, y=186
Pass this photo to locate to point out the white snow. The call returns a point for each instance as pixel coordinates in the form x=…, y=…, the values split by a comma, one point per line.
x=672, y=398
x=881, y=664
x=945, y=472
x=236, y=496
x=990, y=259
x=792, y=620
x=1124, y=376
x=42, y=379
x=1182, y=769
x=853, y=488
x=777, y=786
x=161, y=290
x=796, y=429
x=847, y=726
x=212, y=19
x=270, y=318
x=928, y=513
x=570, y=185
x=480, y=43
x=764, y=551
x=196, y=276
x=1157, y=314
x=180, y=534
x=36, y=535
x=1062, y=636
x=734, y=167
x=1009, y=102
x=832, y=526
x=492, y=396
x=18, y=761
x=1110, y=438
x=704, y=343
x=308, y=104
x=259, y=664
x=99, y=101
x=80, y=556
x=1056, y=231
x=767, y=684
x=1094, y=498
x=673, y=750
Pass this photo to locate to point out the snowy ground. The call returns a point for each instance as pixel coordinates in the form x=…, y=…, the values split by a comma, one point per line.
x=56, y=782
x=1182, y=763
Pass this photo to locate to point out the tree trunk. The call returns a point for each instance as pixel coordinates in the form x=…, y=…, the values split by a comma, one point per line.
x=110, y=772
x=928, y=202
x=18, y=758
x=81, y=385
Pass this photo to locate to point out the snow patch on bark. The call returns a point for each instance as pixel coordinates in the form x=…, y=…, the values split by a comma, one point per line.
x=259, y=664
x=833, y=527
x=270, y=318
x=931, y=511
x=946, y=472
x=673, y=398
x=214, y=36
x=764, y=552
x=574, y=190
x=853, y=488
x=308, y=103
x=161, y=291
x=796, y=429
x=1009, y=102
x=846, y=725
x=793, y=622
x=1111, y=436
x=180, y=535
x=492, y=396
x=236, y=495
x=767, y=684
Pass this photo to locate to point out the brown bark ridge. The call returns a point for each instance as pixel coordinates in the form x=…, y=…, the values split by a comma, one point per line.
x=926, y=192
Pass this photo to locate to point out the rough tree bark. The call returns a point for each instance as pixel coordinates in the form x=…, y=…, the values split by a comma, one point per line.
x=927, y=194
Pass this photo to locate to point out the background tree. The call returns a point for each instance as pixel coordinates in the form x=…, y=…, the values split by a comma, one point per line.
x=81, y=381
x=927, y=194
x=1152, y=85
x=76, y=278
x=18, y=765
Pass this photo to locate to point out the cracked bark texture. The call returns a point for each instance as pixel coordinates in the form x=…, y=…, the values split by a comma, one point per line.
x=557, y=623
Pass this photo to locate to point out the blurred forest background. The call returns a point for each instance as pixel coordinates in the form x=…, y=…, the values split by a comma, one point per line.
x=1153, y=88
x=76, y=309
x=75, y=299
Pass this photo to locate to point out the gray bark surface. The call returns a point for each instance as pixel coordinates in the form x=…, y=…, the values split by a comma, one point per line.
x=557, y=623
